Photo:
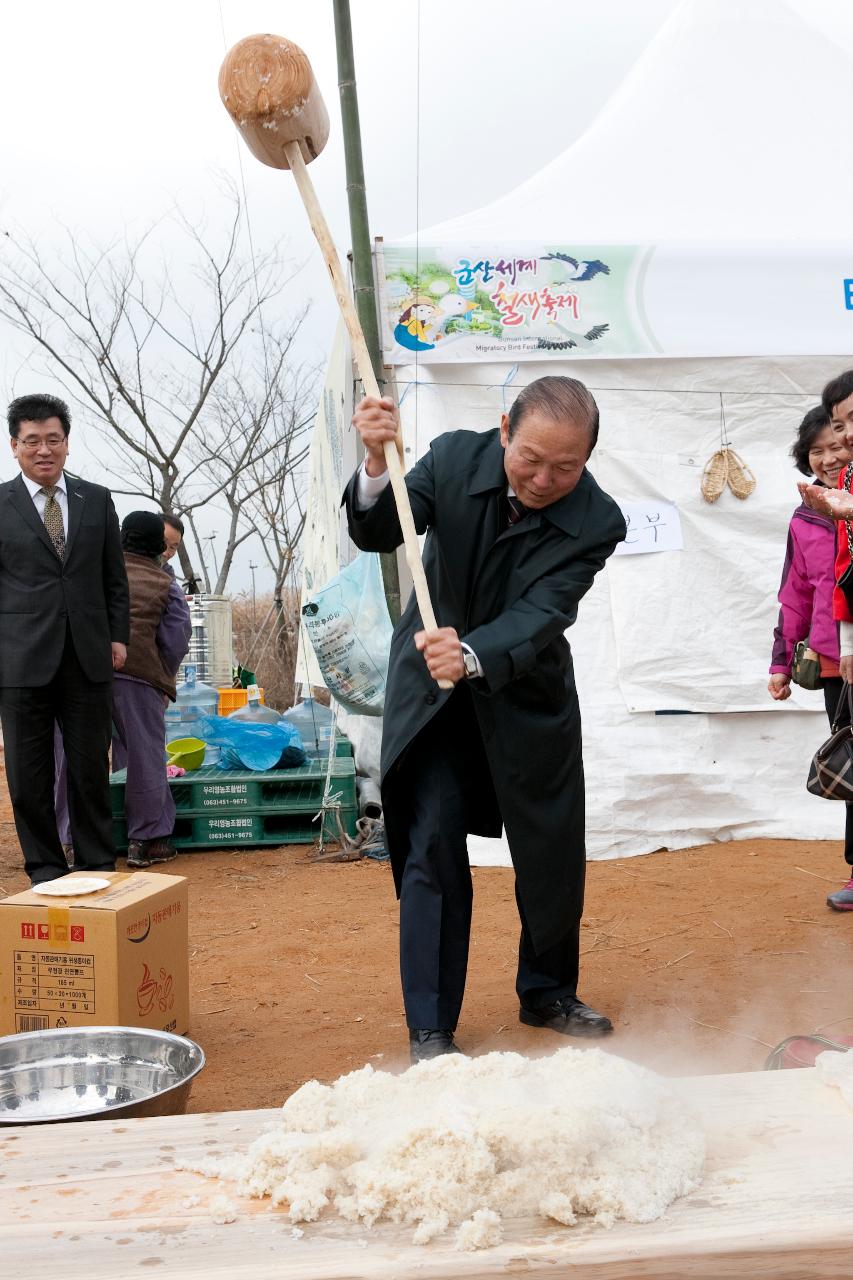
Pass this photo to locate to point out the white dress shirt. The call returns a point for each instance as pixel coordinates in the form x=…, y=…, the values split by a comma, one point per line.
x=846, y=638
x=368, y=488
x=367, y=491
x=40, y=501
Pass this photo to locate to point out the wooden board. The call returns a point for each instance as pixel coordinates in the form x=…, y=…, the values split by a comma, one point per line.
x=103, y=1201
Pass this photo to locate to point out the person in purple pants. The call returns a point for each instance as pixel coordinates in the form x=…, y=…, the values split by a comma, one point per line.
x=173, y=535
x=159, y=638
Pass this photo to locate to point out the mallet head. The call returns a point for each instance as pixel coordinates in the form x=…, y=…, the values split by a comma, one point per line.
x=268, y=88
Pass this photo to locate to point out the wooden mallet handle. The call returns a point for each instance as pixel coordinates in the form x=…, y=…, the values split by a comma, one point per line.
x=267, y=87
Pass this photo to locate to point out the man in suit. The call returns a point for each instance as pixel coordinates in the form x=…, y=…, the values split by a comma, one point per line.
x=516, y=531
x=64, y=625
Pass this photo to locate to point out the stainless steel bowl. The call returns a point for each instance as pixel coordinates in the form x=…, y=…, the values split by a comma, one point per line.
x=95, y=1073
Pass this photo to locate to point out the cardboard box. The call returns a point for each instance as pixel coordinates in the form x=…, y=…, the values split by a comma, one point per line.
x=115, y=957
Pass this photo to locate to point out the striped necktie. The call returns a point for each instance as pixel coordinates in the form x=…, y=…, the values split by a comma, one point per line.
x=515, y=509
x=53, y=519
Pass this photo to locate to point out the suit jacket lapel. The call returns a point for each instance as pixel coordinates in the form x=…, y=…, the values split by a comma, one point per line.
x=531, y=521
x=76, y=500
x=566, y=513
x=488, y=482
x=24, y=505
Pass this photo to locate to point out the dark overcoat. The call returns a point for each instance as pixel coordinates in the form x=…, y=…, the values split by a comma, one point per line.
x=510, y=593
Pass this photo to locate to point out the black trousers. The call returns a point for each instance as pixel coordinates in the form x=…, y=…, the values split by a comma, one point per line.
x=83, y=710
x=444, y=773
x=833, y=687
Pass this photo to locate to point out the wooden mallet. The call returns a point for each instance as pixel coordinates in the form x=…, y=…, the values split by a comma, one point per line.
x=268, y=89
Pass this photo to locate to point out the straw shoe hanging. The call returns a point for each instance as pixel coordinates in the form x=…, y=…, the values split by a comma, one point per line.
x=715, y=475
x=725, y=467
x=741, y=479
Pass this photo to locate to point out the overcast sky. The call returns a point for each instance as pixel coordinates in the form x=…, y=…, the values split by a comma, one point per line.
x=111, y=112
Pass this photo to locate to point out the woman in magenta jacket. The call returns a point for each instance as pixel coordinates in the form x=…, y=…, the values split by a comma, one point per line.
x=805, y=594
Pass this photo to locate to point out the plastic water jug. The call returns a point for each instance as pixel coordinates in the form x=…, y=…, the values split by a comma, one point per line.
x=314, y=722
x=254, y=712
x=195, y=701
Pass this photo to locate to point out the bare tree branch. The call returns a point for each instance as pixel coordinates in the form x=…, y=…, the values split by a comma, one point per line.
x=198, y=404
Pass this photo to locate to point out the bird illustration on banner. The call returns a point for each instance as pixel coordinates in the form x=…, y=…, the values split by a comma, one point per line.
x=578, y=270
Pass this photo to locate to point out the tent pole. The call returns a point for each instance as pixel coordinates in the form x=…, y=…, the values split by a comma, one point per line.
x=364, y=286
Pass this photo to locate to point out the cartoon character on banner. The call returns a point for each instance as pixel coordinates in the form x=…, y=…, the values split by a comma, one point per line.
x=416, y=320
x=452, y=306
x=424, y=321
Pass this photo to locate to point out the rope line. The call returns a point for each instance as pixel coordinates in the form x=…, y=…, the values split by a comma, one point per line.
x=417, y=200
x=250, y=237
x=725, y=442
x=668, y=391
x=331, y=802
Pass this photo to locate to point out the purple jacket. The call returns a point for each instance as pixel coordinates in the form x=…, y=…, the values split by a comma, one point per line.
x=808, y=578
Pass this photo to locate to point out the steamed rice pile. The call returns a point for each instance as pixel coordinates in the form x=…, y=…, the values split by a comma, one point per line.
x=836, y=1069
x=463, y=1142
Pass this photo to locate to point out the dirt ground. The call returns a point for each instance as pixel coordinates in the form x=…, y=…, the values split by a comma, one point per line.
x=704, y=959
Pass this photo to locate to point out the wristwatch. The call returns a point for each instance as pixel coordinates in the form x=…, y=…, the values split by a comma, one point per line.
x=470, y=663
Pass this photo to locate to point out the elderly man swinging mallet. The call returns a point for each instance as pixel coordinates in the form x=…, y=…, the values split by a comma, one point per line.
x=516, y=529
x=481, y=725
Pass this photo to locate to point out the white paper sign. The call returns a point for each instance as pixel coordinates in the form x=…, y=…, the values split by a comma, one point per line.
x=652, y=526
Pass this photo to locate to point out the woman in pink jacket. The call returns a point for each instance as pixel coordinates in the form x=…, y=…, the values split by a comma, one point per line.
x=805, y=594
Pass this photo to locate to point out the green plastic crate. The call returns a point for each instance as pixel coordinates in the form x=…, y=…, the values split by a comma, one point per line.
x=243, y=829
x=211, y=789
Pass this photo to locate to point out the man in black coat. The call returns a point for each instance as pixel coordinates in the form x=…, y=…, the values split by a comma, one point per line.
x=64, y=625
x=516, y=531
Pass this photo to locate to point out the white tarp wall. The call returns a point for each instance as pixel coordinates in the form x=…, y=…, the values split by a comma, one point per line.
x=325, y=543
x=689, y=630
x=332, y=458
x=721, y=135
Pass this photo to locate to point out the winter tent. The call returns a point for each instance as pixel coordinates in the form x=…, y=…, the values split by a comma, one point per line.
x=673, y=258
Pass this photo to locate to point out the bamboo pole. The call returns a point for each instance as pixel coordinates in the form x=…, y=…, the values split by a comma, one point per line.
x=364, y=288
x=392, y=452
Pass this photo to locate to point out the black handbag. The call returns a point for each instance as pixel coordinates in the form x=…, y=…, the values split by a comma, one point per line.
x=831, y=771
x=845, y=582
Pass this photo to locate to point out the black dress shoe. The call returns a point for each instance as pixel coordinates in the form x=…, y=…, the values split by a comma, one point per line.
x=431, y=1044
x=569, y=1016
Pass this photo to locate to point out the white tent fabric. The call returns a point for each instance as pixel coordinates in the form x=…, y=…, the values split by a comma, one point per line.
x=727, y=128
x=732, y=126
x=332, y=459
x=682, y=631
x=719, y=168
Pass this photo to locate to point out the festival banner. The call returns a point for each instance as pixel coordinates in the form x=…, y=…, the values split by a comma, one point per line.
x=444, y=305
x=469, y=302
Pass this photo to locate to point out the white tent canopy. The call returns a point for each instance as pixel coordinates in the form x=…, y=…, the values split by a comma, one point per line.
x=724, y=133
x=733, y=124
x=719, y=168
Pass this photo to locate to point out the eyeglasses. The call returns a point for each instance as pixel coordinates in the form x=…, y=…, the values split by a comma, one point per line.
x=32, y=443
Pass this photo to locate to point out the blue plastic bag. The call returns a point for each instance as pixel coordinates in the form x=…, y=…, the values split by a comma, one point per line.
x=350, y=630
x=254, y=746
